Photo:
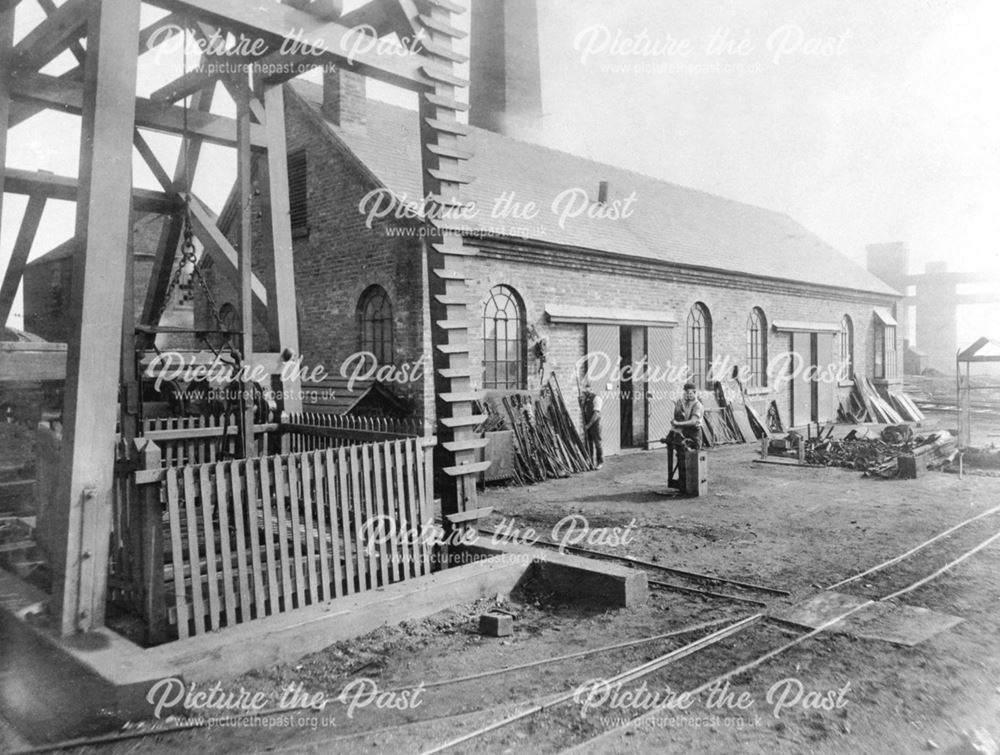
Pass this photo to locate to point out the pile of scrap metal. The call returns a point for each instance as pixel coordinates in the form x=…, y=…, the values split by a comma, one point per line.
x=866, y=404
x=546, y=443
x=893, y=452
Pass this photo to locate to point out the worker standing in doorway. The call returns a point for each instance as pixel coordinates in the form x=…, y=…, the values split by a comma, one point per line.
x=592, y=405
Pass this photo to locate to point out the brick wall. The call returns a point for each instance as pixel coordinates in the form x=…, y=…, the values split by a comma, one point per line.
x=337, y=260
x=728, y=305
x=340, y=258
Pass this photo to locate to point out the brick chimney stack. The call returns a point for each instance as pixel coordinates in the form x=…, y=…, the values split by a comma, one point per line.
x=344, y=101
x=505, y=94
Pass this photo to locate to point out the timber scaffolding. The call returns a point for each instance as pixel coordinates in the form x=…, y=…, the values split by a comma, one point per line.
x=107, y=40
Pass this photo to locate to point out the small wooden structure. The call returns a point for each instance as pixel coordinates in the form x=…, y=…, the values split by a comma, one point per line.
x=293, y=35
x=983, y=351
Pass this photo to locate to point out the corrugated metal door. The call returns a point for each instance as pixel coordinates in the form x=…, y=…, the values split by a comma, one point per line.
x=659, y=408
x=801, y=385
x=829, y=354
x=603, y=340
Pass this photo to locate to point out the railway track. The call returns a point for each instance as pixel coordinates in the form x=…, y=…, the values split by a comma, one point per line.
x=755, y=630
x=693, y=583
x=738, y=645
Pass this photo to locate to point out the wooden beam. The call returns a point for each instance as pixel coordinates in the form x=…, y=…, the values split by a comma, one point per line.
x=74, y=45
x=170, y=233
x=245, y=299
x=281, y=294
x=6, y=50
x=51, y=186
x=159, y=32
x=328, y=10
x=152, y=162
x=198, y=79
x=66, y=95
x=386, y=18
x=166, y=27
x=128, y=401
x=19, y=255
x=398, y=17
x=81, y=516
x=43, y=44
x=276, y=23
x=223, y=253
x=185, y=85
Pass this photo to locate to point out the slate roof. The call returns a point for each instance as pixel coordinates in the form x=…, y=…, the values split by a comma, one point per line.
x=670, y=223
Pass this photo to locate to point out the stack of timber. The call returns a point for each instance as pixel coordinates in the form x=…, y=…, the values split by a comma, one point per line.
x=890, y=454
x=546, y=443
x=865, y=404
x=906, y=408
x=720, y=426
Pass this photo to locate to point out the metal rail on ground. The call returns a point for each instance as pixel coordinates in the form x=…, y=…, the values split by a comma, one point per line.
x=900, y=557
x=648, y=564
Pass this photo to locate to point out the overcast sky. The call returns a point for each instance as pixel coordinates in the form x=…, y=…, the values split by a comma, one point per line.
x=865, y=121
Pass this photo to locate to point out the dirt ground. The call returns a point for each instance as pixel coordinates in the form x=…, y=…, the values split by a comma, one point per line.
x=797, y=529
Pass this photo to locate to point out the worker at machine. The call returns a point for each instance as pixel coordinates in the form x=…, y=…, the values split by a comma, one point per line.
x=684, y=436
x=688, y=415
x=591, y=405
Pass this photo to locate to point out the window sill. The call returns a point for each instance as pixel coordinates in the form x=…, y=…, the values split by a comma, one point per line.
x=300, y=233
x=759, y=391
x=845, y=383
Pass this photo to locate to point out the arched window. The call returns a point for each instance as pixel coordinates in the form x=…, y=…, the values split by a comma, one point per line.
x=504, y=345
x=847, y=348
x=699, y=344
x=757, y=347
x=375, y=323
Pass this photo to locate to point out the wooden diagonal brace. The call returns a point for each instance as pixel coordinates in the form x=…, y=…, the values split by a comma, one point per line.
x=19, y=255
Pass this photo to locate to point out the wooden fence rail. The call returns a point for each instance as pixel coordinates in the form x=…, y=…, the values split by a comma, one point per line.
x=203, y=439
x=254, y=537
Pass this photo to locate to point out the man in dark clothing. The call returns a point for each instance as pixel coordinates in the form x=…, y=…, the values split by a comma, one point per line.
x=688, y=415
x=591, y=404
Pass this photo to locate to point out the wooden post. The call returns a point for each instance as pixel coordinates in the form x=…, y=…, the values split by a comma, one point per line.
x=6, y=44
x=129, y=395
x=281, y=292
x=150, y=525
x=82, y=516
x=246, y=199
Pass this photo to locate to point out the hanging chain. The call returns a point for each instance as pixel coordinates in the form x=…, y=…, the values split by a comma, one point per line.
x=188, y=255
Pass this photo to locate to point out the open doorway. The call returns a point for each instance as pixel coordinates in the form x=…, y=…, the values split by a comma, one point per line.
x=632, y=354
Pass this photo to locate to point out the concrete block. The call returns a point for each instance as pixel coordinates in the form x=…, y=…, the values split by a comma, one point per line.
x=496, y=624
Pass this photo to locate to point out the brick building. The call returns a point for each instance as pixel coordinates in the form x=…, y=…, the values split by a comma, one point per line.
x=48, y=283
x=608, y=263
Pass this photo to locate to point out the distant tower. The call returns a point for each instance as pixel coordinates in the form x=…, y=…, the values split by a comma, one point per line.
x=935, y=301
x=891, y=263
x=505, y=94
